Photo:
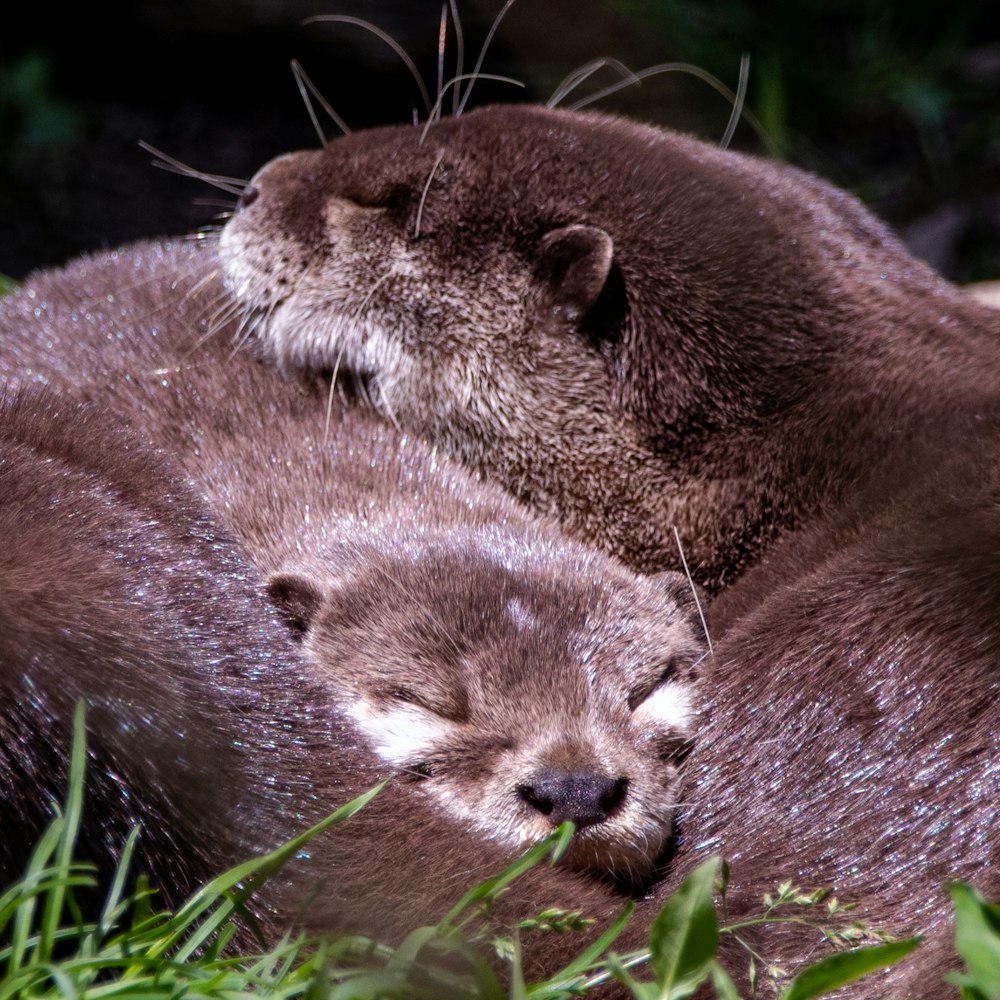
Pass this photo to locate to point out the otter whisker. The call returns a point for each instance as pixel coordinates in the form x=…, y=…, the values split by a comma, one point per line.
x=694, y=589
x=427, y=186
x=206, y=279
x=329, y=399
x=224, y=313
x=226, y=205
x=435, y=111
x=304, y=84
x=442, y=40
x=297, y=72
x=231, y=185
x=459, y=51
x=676, y=67
x=226, y=310
x=245, y=328
x=263, y=319
x=385, y=37
x=381, y=385
x=371, y=291
x=482, y=55
x=741, y=96
x=573, y=80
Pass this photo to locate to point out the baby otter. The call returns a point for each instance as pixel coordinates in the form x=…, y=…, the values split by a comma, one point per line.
x=626, y=326
x=517, y=678
x=205, y=726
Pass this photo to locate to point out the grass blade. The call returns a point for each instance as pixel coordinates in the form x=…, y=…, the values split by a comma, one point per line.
x=837, y=970
x=685, y=934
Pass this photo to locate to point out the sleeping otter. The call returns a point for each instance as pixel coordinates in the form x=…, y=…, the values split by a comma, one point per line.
x=510, y=678
x=638, y=331
x=624, y=325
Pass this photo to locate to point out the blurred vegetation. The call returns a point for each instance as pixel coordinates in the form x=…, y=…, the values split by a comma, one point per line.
x=898, y=102
x=31, y=113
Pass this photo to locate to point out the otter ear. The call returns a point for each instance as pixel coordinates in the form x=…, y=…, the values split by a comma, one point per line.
x=574, y=265
x=297, y=598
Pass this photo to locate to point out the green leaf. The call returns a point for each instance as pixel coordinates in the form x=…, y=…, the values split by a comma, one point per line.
x=7, y=285
x=590, y=955
x=489, y=889
x=685, y=934
x=725, y=988
x=53, y=911
x=977, y=938
x=641, y=991
x=846, y=966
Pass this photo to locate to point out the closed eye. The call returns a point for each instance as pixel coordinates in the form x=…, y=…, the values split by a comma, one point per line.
x=641, y=692
x=452, y=705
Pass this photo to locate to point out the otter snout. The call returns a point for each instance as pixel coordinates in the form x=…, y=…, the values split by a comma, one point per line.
x=581, y=796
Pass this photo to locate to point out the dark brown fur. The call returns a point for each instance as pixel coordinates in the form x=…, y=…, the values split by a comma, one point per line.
x=639, y=331
x=412, y=586
x=95, y=527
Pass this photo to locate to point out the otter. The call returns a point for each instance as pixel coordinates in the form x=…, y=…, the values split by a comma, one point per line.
x=120, y=587
x=509, y=678
x=639, y=332
x=626, y=326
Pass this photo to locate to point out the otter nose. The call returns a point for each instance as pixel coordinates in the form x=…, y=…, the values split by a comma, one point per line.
x=247, y=197
x=581, y=796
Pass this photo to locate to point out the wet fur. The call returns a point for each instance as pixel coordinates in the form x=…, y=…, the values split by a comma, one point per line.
x=638, y=331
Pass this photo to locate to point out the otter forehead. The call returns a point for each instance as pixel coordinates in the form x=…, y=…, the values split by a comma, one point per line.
x=500, y=616
x=510, y=171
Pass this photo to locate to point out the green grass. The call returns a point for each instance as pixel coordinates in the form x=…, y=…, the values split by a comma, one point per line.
x=133, y=950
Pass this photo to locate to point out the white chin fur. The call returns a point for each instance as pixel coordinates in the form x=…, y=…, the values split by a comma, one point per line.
x=669, y=708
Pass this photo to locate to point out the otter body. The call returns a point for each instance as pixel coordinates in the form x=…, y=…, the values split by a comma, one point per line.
x=508, y=679
x=96, y=529
x=638, y=331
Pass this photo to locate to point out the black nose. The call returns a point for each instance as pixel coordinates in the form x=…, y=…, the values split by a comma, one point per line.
x=581, y=796
x=248, y=196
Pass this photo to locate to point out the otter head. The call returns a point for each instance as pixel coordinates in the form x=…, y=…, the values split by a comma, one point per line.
x=517, y=685
x=578, y=305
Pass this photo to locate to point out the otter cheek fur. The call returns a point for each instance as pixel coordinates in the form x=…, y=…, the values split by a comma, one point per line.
x=515, y=700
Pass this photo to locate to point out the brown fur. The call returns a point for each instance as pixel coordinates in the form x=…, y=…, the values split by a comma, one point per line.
x=420, y=596
x=639, y=331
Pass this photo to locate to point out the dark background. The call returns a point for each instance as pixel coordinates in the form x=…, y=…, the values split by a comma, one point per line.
x=898, y=102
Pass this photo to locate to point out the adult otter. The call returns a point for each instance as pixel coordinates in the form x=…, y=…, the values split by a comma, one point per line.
x=513, y=678
x=624, y=325
x=639, y=331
